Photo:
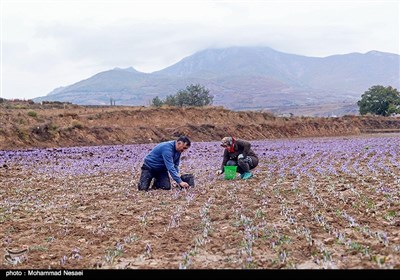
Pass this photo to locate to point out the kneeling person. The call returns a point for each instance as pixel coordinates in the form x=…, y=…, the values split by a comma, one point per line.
x=163, y=159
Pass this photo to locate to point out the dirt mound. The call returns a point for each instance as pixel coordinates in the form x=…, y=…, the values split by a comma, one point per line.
x=71, y=125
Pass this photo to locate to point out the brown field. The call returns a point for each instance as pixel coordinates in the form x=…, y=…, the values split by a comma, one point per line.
x=330, y=202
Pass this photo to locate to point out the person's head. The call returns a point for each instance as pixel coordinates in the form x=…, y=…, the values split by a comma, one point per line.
x=226, y=142
x=182, y=143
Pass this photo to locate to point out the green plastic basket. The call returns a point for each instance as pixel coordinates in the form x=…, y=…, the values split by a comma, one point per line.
x=230, y=172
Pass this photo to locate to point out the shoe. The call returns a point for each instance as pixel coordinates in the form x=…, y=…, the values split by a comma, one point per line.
x=241, y=175
x=247, y=175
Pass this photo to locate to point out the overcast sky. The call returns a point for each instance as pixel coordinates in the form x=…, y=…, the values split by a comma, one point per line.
x=48, y=44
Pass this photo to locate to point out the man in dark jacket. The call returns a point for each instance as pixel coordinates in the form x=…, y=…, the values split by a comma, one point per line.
x=163, y=159
x=238, y=153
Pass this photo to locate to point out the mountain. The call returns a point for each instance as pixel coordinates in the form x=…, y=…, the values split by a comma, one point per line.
x=242, y=78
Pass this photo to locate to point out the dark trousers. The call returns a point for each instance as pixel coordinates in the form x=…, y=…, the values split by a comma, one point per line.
x=161, y=179
x=244, y=164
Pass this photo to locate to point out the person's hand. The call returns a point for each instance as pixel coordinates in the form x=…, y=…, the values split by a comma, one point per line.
x=219, y=172
x=240, y=156
x=184, y=185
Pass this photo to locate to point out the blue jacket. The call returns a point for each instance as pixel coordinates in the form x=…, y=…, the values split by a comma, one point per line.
x=165, y=156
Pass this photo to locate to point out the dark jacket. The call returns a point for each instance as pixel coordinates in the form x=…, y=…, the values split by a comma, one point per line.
x=240, y=147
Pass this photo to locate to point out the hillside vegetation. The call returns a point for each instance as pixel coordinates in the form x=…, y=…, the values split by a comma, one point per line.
x=64, y=125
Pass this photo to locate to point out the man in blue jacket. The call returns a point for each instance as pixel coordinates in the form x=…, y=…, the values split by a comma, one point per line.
x=163, y=159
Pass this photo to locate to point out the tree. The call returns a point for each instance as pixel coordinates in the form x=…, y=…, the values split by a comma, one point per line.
x=182, y=98
x=194, y=95
x=380, y=100
x=170, y=100
x=156, y=102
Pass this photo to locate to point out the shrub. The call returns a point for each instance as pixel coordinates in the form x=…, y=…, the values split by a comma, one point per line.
x=32, y=114
x=77, y=124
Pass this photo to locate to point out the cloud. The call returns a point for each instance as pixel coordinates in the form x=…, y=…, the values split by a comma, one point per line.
x=57, y=43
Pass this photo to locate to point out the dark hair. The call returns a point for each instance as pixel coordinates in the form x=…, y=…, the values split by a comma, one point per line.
x=184, y=139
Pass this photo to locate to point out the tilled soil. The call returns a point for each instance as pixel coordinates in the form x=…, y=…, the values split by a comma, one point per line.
x=312, y=203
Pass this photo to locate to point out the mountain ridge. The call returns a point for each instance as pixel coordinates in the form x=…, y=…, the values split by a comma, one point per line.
x=244, y=78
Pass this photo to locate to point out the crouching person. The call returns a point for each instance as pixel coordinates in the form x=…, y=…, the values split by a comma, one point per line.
x=163, y=159
x=238, y=152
